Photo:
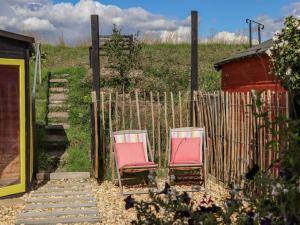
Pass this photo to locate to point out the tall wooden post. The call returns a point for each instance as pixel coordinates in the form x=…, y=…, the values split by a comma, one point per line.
x=95, y=59
x=194, y=59
x=95, y=63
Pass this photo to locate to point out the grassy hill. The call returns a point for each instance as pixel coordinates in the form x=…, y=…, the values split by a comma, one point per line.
x=163, y=67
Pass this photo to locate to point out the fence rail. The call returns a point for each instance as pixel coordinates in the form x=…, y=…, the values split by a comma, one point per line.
x=236, y=138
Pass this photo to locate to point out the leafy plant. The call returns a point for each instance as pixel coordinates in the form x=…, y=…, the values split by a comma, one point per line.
x=171, y=207
x=123, y=55
x=285, y=54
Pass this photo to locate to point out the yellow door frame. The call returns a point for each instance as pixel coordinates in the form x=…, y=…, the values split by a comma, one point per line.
x=18, y=188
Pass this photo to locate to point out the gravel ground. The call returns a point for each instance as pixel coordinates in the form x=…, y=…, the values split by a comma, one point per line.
x=112, y=207
x=10, y=208
x=111, y=204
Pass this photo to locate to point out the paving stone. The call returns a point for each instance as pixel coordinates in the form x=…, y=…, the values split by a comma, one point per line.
x=57, y=97
x=58, y=80
x=58, y=115
x=55, y=139
x=64, y=125
x=58, y=89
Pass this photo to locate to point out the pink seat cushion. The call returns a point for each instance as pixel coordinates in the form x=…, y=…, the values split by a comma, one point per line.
x=130, y=154
x=186, y=151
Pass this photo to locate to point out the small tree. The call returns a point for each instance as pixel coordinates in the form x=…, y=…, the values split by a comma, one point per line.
x=123, y=56
x=285, y=56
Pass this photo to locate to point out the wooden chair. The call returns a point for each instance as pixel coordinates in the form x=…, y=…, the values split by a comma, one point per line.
x=133, y=154
x=186, y=153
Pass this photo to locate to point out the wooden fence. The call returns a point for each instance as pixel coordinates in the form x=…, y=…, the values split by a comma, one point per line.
x=235, y=141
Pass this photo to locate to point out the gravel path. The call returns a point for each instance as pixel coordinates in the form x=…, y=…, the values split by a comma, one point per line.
x=110, y=203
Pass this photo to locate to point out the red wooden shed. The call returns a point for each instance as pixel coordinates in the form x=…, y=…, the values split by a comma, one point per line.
x=249, y=70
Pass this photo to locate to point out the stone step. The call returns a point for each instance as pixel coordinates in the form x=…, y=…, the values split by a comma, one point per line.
x=63, y=75
x=58, y=90
x=51, y=221
x=64, y=125
x=55, y=130
x=63, y=175
x=58, y=115
x=60, y=106
x=58, y=80
x=57, y=97
x=58, y=213
x=56, y=138
x=56, y=142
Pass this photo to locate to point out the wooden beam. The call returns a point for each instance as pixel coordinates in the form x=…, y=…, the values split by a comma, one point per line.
x=194, y=59
x=95, y=59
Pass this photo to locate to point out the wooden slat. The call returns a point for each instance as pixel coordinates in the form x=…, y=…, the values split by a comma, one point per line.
x=46, y=206
x=94, y=219
x=51, y=214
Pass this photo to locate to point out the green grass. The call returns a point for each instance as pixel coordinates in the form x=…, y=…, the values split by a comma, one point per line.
x=163, y=67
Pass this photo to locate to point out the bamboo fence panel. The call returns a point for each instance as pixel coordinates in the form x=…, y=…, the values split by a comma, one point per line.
x=235, y=138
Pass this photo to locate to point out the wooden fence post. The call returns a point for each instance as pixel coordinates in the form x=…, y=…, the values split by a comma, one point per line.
x=95, y=59
x=194, y=60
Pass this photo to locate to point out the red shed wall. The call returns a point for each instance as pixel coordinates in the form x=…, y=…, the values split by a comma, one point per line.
x=248, y=74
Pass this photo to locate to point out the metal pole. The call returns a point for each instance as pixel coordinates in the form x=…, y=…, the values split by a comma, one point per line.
x=194, y=59
x=259, y=35
x=250, y=33
x=95, y=55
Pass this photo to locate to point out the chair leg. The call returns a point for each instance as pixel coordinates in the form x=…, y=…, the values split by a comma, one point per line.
x=120, y=181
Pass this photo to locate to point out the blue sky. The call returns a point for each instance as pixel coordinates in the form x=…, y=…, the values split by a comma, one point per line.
x=164, y=20
x=216, y=15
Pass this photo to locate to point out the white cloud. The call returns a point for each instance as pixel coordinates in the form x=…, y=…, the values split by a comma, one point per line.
x=47, y=20
x=36, y=24
x=227, y=38
x=274, y=24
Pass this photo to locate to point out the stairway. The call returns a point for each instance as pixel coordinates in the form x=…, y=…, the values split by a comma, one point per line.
x=56, y=140
x=66, y=201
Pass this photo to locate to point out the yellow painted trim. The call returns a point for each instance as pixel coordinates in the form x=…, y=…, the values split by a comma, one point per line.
x=18, y=188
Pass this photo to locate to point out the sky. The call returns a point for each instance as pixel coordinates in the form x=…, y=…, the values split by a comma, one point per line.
x=166, y=20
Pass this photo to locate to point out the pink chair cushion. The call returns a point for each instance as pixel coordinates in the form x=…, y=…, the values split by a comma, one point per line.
x=186, y=151
x=130, y=154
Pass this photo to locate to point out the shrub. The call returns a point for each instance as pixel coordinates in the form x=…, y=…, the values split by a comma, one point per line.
x=122, y=56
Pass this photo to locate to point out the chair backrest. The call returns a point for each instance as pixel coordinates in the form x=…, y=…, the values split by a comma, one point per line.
x=187, y=132
x=133, y=136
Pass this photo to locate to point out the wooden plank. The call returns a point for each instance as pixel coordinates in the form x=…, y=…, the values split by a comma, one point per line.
x=60, y=220
x=104, y=167
x=66, y=193
x=158, y=130
x=138, y=109
x=47, y=206
x=116, y=112
x=51, y=214
x=187, y=100
x=180, y=109
x=123, y=110
x=166, y=128
x=73, y=199
x=111, y=157
x=153, y=123
x=173, y=111
x=130, y=112
x=96, y=141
